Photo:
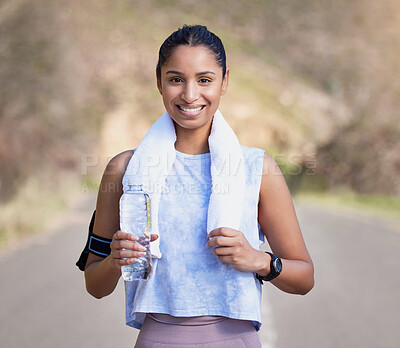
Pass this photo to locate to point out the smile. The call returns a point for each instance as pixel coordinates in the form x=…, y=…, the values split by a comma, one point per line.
x=186, y=109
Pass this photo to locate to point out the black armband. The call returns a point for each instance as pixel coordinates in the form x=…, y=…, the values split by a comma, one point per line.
x=97, y=245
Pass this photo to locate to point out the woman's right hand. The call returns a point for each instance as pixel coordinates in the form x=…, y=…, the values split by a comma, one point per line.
x=125, y=250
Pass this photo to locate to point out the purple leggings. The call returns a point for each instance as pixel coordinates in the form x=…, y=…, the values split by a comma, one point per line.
x=164, y=331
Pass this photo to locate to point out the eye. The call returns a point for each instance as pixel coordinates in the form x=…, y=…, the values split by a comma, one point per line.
x=176, y=80
x=204, y=80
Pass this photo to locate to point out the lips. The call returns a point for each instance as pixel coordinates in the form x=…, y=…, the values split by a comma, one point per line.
x=190, y=111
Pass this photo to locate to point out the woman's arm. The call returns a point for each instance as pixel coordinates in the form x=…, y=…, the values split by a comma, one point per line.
x=102, y=275
x=278, y=220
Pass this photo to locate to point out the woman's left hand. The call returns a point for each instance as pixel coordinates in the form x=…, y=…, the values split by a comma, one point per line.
x=231, y=246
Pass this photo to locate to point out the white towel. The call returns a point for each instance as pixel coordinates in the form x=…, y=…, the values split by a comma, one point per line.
x=155, y=155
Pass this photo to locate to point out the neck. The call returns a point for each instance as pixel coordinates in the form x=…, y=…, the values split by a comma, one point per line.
x=192, y=141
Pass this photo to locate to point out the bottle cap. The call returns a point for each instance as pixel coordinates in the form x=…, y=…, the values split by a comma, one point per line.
x=134, y=181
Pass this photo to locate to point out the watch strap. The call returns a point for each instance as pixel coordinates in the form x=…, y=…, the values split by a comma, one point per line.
x=273, y=272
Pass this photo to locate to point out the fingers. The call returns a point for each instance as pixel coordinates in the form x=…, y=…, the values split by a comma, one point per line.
x=232, y=247
x=123, y=255
x=123, y=262
x=225, y=246
x=124, y=240
x=124, y=249
x=119, y=235
x=126, y=254
x=126, y=244
x=225, y=232
x=225, y=237
x=224, y=242
x=225, y=251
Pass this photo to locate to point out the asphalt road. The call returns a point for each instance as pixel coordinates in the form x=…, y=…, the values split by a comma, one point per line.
x=355, y=302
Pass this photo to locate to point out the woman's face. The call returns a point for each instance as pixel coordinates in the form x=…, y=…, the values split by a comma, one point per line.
x=191, y=85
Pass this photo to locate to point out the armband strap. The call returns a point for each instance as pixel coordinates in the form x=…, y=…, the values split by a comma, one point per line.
x=97, y=245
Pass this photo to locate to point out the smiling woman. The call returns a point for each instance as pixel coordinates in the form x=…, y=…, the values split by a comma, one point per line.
x=205, y=286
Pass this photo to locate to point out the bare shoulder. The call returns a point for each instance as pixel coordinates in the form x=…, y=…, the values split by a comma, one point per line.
x=117, y=165
x=123, y=156
x=272, y=176
x=110, y=191
x=273, y=183
x=270, y=167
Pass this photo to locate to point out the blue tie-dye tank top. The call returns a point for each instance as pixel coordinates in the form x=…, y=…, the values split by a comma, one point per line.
x=189, y=280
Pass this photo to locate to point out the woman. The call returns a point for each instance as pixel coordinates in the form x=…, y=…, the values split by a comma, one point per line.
x=213, y=300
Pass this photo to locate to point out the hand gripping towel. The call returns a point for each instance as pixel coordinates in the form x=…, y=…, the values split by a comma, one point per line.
x=155, y=155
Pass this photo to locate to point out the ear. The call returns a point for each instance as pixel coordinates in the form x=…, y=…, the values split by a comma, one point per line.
x=225, y=82
x=159, y=85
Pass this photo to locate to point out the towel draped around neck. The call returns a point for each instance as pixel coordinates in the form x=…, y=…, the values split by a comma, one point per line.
x=153, y=160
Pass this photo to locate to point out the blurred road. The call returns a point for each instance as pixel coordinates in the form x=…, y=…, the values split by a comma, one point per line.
x=355, y=302
x=356, y=299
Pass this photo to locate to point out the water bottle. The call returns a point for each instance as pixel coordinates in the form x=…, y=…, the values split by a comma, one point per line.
x=135, y=218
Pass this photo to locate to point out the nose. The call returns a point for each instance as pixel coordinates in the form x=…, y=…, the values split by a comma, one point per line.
x=190, y=93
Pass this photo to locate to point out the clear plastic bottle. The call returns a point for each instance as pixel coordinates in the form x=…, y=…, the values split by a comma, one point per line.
x=135, y=218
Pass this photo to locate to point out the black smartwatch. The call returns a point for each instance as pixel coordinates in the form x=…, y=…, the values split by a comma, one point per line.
x=276, y=269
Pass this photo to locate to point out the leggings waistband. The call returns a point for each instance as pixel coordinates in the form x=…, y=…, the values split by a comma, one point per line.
x=186, y=321
x=221, y=333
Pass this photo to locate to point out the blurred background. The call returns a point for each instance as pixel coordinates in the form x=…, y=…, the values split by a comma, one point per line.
x=314, y=83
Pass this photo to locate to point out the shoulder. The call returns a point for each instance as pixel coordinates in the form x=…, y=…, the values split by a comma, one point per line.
x=272, y=176
x=115, y=171
x=116, y=167
x=270, y=167
x=273, y=183
x=110, y=191
x=127, y=154
x=266, y=165
x=121, y=160
x=253, y=157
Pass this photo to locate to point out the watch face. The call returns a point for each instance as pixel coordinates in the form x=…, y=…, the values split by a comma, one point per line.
x=278, y=265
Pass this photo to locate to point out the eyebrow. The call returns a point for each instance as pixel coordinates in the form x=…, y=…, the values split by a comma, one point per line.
x=199, y=73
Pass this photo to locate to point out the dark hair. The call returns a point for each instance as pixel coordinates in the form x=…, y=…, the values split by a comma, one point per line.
x=192, y=35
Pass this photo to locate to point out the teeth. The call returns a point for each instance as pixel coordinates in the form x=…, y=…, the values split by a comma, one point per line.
x=191, y=110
